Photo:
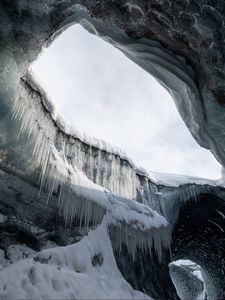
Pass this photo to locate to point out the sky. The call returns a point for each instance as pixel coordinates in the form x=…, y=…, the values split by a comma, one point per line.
x=104, y=94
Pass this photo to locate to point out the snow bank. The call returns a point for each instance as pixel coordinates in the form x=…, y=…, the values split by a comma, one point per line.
x=86, y=270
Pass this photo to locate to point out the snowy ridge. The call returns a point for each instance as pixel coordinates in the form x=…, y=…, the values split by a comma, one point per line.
x=175, y=180
x=85, y=270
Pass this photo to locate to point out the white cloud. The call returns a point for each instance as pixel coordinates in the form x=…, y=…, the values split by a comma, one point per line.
x=101, y=92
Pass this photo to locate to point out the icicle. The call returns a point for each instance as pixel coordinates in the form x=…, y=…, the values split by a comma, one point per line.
x=134, y=238
x=84, y=210
x=188, y=193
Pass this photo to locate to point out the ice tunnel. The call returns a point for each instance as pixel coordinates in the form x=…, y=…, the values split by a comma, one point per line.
x=198, y=236
x=73, y=207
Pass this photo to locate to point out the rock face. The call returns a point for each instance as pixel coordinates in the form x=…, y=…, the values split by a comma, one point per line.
x=82, y=180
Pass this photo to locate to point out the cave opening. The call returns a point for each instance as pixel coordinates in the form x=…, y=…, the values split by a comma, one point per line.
x=199, y=236
x=102, y=92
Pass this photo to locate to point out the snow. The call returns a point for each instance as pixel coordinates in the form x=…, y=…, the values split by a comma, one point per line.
x=176, y=180
x=184, y=262
x=69, y=273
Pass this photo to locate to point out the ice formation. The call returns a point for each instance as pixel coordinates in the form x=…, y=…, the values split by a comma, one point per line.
x=78, y=197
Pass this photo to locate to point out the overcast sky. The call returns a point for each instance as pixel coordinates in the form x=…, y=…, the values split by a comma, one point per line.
x=103, y=93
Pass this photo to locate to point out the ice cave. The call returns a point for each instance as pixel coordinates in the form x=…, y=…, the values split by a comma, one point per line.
x=149, y=129
x=78, y=218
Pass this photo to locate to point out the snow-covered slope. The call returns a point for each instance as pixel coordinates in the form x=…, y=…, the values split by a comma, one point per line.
x=86, y=270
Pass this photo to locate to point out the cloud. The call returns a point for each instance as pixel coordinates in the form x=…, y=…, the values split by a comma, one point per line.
x=101, y=92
